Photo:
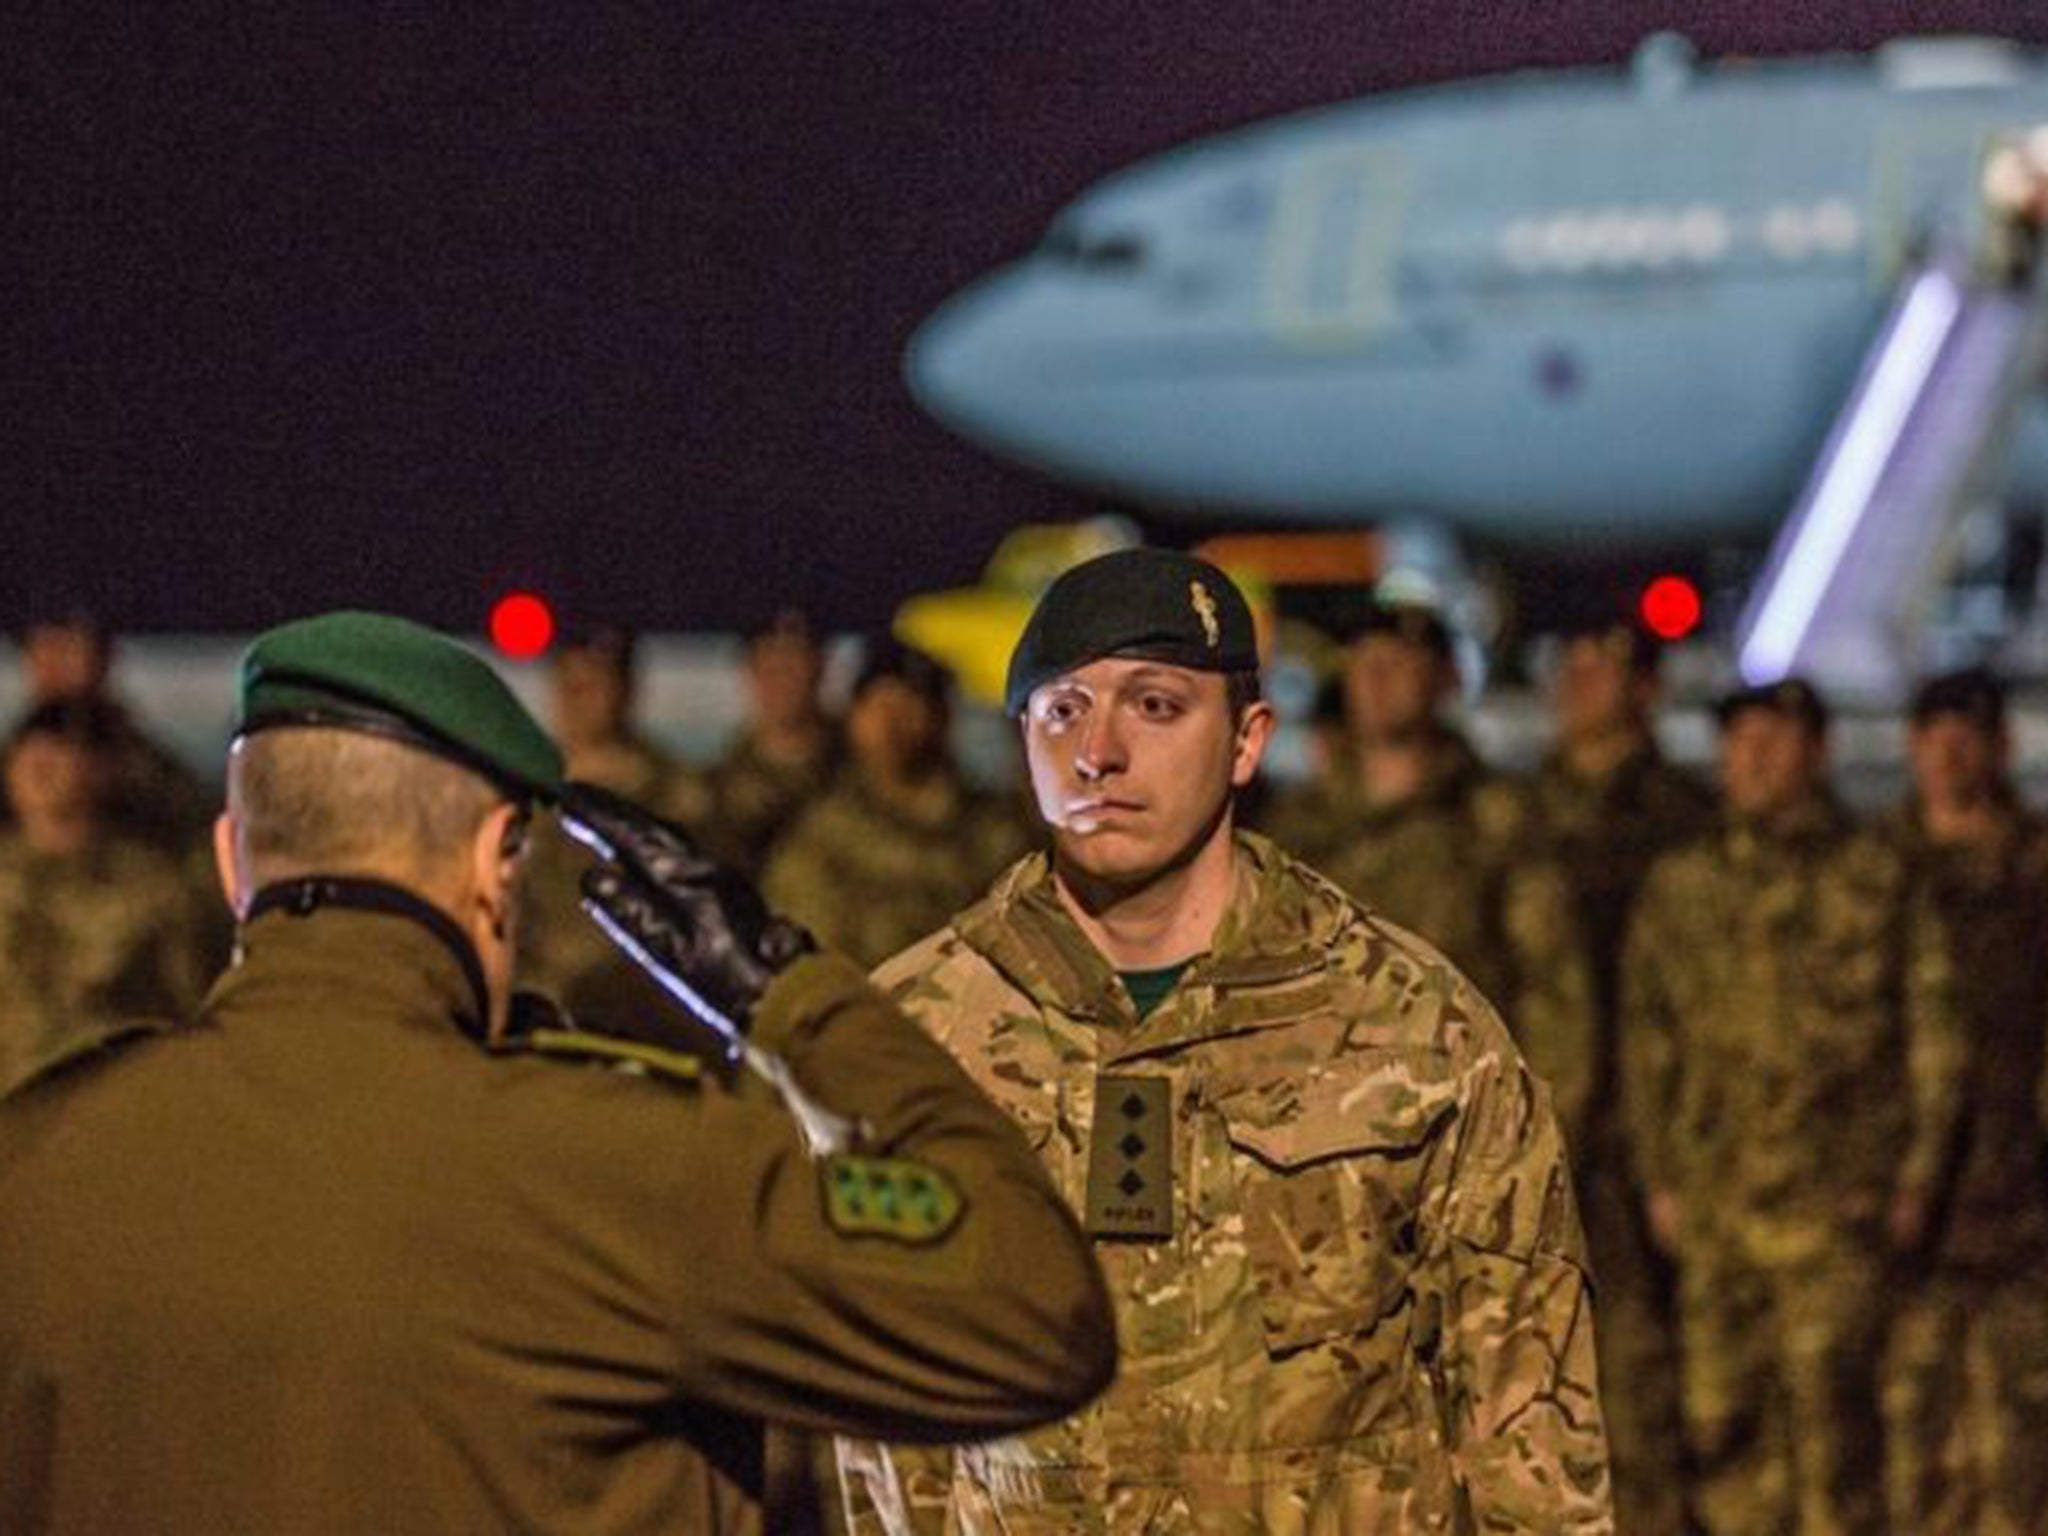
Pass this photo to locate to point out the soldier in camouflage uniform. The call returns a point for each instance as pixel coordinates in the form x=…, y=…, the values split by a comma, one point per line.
x=1332, y=1202
x=1793, y=1063
x=1966, y=1390
x=789, y=754
x=592, y=692
x=98, y=938
x=1411, y=823
x=1602, y=806
x=900, y=843
x=149, y=795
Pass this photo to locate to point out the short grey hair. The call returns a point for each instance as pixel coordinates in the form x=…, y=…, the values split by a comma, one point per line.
x=317, y=800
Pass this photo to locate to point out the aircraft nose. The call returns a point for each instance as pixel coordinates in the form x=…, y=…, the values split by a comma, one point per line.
x=962, y=364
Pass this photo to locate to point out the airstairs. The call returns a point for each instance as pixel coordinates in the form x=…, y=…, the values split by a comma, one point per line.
x=1921, y=440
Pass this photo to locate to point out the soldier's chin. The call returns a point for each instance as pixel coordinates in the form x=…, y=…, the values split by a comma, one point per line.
x=1110, y=854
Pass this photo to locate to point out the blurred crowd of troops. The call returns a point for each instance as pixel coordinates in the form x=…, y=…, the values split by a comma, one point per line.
x=1798, y=1055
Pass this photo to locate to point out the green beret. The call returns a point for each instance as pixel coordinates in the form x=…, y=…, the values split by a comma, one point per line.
x=390, y=677
x=1793, y=697
x=1152, y=603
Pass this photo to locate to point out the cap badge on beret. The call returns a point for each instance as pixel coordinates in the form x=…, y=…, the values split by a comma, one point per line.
x=1205, y=610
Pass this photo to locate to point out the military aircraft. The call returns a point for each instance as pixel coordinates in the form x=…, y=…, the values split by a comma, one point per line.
x=1569, y=315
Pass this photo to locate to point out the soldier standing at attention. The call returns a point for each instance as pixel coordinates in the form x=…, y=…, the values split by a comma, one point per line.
x=98, y=938
x=1331, y=1200
x=1793, y=1066
x=789, y=752
x=1411, y=823
x=370, y=1246
x=900, y=843
x=1602, y=807
x=1966, y=1391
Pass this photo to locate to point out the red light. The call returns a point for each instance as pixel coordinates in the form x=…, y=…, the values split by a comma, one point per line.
x=522, y=625
x=1671, y=607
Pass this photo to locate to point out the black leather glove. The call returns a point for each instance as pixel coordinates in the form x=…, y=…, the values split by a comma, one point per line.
x=698, y=928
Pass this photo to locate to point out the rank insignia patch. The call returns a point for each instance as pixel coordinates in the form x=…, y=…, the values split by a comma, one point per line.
x=889, y=1197
x=1130, y=1160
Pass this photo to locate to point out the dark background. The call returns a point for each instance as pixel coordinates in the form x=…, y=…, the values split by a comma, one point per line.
x=405, y=306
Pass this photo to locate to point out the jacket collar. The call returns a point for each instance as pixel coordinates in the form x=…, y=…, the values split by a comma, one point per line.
x=361, y=938
x=1277, y=929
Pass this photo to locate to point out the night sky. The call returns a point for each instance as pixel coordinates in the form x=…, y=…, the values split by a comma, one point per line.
x=386, y=306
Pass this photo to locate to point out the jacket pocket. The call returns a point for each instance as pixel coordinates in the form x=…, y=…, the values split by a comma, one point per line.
x=1332, y=1210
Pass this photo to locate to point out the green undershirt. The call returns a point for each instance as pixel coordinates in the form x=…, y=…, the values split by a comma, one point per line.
x=1148, y=989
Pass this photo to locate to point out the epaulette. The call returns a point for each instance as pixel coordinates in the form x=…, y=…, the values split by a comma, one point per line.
x=538, y=1027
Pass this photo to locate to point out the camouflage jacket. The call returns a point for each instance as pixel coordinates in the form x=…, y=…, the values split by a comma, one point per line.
x=1791, y=1046
x=871, y=876
x=1993, y=900
x=1372, y=1314
x=755, y=798
x=1456, y=863
x=1602, y=834
x=92, y=948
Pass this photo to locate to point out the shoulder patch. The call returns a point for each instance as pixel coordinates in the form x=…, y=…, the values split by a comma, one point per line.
x=894, y=1198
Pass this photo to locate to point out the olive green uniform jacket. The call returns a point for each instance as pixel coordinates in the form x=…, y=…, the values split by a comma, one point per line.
x=316, y=1262
x=1371, y=1315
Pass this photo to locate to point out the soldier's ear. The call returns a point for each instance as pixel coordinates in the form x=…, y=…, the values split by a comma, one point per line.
x=1254, y=730
x=494, y=863
x=227, y=866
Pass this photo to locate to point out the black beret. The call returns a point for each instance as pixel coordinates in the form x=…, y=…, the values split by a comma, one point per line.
x=783, y=624
x=614, y=643
x=888, y=657
x=1366, y=613
x=1153, y=603
x=1974, y=693
x=95, y=724
x=1791, y=696
x=1620, y=635
x=386, y=676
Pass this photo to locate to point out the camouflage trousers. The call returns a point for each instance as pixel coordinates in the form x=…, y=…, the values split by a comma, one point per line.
x=1638, y=1346
x=1779, y=1390
x=1966, y=1407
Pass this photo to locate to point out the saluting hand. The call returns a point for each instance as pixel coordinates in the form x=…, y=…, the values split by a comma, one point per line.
x=697, y=927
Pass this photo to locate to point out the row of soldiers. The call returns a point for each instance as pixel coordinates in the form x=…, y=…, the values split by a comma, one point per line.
x=1796, y=1057
x=1799, y=1060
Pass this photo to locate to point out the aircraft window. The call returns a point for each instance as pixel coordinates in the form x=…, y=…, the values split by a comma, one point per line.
x=1619, y=238
x=1785, y=233
x=1703, y=233
x=1113, y=251
x=1101, y=253
x=1836, y=226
